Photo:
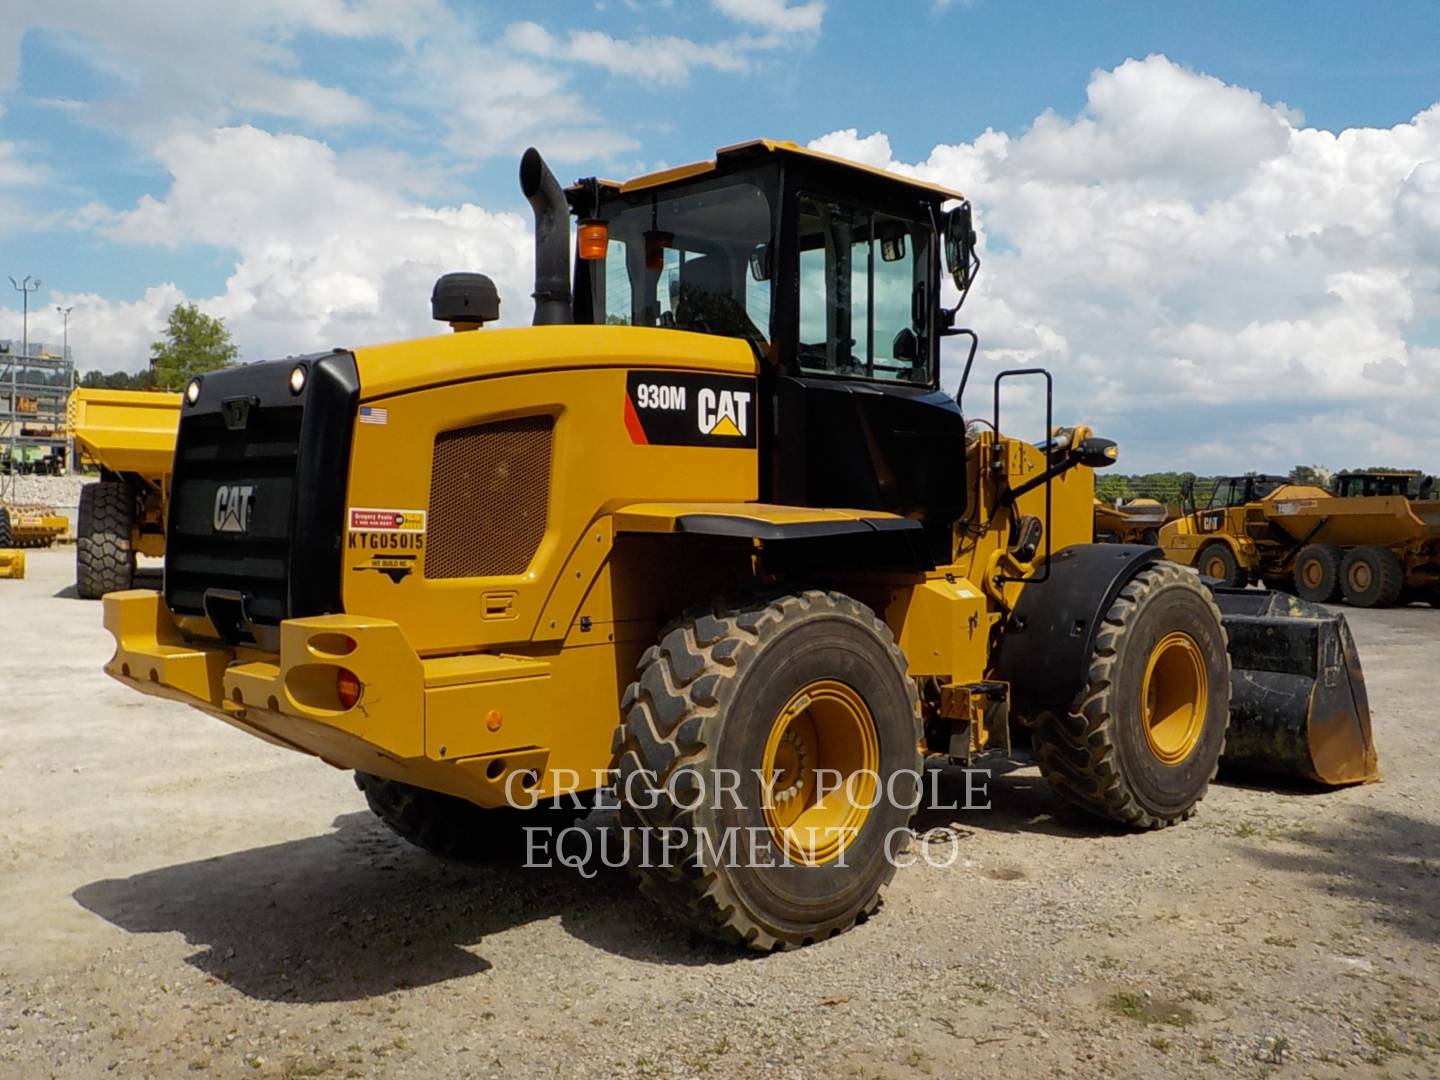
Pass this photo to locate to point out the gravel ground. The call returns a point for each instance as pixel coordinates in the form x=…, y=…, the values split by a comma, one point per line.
x=177, y=896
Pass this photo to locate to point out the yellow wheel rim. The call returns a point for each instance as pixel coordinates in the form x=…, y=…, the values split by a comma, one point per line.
x=1311, y=572
x=1360, y=575
x=1215, y=567
x=819, y=775
x=1174, y=697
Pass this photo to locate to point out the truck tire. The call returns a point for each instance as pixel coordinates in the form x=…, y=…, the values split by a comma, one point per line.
x=6, y=540
x=1317, y=572
x=1140, y=743
x=1371, y=576
x=1218, y=561
x=104, y=552
x=454, y=828
x=786, y=689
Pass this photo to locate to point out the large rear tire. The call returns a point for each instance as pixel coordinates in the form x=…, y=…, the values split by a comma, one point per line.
x=104, y=546
x=807, y=691
x=1218, y=561
x=1141, y=742
x=1317, y=572
x=453, y=828
x=6, y=539
x=1371, y=576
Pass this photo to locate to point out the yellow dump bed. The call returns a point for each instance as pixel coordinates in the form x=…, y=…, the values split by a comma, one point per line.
x=1374, y=519
x=126, y=431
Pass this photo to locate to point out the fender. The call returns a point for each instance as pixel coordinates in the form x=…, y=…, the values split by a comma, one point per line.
x=1045, y=646
x=877, y=539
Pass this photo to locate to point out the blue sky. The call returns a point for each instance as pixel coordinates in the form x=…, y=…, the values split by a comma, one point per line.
x=271, y=162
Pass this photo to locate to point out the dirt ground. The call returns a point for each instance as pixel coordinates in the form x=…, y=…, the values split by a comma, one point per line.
x=176, y=896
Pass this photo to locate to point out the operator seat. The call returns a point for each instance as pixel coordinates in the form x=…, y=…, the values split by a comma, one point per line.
x=707, y=303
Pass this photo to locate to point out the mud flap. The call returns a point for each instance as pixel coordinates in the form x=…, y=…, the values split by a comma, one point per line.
x=1297, y=695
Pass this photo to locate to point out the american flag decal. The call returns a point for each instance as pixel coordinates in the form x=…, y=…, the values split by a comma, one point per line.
x=370, y=415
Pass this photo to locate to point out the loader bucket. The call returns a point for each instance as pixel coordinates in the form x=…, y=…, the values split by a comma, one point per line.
x=1297, y=694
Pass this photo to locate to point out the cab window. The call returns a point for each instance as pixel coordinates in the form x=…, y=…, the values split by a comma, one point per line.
x=864, y=286
x=686, y=259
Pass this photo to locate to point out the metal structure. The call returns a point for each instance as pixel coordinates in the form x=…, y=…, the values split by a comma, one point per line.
x=35, y=381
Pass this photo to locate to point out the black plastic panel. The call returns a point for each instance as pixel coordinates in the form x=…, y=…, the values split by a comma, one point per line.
x=1045, y=650
x=868, y=446
x=287, y=457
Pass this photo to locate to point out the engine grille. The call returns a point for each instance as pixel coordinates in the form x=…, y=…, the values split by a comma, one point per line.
x=489, y=498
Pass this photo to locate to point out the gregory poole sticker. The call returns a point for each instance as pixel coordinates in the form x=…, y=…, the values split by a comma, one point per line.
x=365, y=519
x=681, y=408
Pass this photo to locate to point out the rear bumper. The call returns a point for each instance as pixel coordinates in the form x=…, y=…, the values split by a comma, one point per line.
x=461, y=725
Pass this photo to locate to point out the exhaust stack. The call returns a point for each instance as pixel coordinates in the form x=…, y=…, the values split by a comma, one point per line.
x=552, y=240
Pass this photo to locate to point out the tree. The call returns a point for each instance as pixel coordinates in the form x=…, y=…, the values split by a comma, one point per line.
x=194, y=343
x=1314, y=475
x=116, y=380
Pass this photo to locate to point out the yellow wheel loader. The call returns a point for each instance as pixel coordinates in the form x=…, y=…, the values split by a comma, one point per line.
x=709, y=536
x=130, y=436
x=1368, y=544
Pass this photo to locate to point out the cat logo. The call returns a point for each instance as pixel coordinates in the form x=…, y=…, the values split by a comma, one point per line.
x=690, y=408
x=233, y=503
x=723, y=412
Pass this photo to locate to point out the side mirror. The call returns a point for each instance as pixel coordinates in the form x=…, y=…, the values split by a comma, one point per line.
x=760, y=262
x=960, y=246
x=1096, y=452
x=906, y=346
x=892, y=241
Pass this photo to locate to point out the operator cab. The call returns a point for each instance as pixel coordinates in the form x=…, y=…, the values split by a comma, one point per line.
x=1370, y=485
x=831, y=272
x=1240, y=490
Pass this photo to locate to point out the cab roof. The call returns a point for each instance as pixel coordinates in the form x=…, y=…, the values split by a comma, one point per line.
x=749, y=151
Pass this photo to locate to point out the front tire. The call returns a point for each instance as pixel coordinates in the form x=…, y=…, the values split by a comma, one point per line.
x=1371, y=576
x=1141, y=742
x=6, y=539
x=1218, y=561
x=104, y=547
x=768, y=695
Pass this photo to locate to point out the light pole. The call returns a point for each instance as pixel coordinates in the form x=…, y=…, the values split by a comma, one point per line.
x=24, y=288
x=65, y=352
x=65, y=314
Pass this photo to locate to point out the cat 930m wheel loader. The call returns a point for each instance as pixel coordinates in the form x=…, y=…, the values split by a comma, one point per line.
x=710, y=534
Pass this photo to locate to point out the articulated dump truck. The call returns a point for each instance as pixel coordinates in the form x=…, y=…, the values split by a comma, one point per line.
x=1137, y=521
x=1371, y=550
x=709, y=536
x=130, y=436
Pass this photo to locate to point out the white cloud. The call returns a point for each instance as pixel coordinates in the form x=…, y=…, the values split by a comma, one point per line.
x=1199, y=268
x=323, y=258
x=205, y=62
x=18, y=168
x=776, y=15
x=659, y=59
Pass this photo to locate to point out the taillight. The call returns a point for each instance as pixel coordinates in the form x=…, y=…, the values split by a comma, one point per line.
x=348, y=688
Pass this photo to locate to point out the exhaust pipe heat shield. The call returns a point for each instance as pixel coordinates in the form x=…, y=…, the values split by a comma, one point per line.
x=1298, y=706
